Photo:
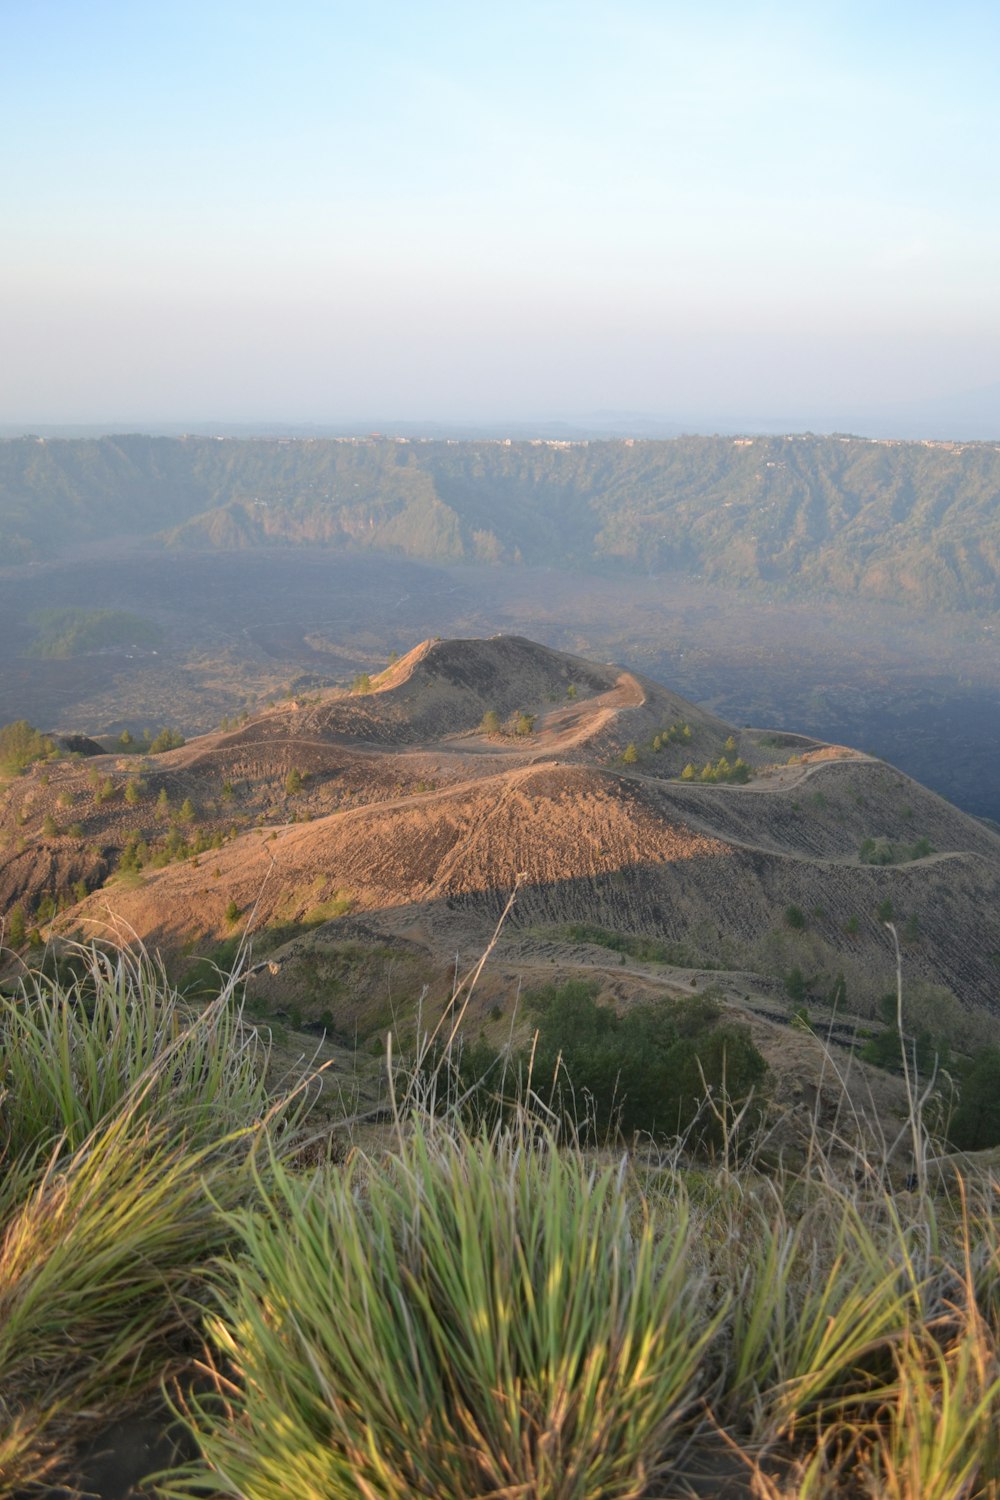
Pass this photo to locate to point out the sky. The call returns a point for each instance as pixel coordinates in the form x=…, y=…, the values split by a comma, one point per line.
x=307, y=212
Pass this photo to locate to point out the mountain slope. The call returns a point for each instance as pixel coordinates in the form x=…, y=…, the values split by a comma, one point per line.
x=912, y=522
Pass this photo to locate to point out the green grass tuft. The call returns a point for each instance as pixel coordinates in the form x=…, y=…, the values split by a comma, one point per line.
x=468, y=1317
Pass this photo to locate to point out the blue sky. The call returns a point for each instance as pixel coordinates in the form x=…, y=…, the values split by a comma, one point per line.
x=315, y=212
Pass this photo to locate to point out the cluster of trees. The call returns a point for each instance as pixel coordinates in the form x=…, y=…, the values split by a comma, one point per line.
x=103, y=787
x=23, y=920
x=138, y=854
x=21, y=744
x=723, y=770
x=146, y=744
x=926, y=1046
x=610, y=1075
x=674, y=734
x=970, y=1093
x=829, y=989
x=167, y=739
x=882, y=852
x=521, y=724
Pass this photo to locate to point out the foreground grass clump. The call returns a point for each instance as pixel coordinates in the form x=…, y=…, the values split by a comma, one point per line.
x=467, y=1317
x=128, y=1132
x=112, y=1033
x=97, y=1262
x=510, y=1316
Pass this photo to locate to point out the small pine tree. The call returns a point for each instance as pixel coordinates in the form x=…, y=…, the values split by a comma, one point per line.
x=293, y=782
x=17, y=927
x=362, y=683
x=630, y=754
x=796, y=984
x=232, y=912
x=163, y=802
x=186, y=813
x=49, y=826
x=688, y=773
x=490, y=722
x=131, y=793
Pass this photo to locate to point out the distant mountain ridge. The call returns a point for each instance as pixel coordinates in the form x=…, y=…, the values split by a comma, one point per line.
x=911, y=522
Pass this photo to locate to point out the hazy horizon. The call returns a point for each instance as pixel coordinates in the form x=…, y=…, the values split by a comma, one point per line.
x=749, y=216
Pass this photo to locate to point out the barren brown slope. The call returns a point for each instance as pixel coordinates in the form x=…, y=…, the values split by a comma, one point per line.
x=620, y=853
x=541, y=826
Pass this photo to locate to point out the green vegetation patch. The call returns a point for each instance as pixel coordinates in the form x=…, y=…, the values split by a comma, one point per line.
x=884, y=852
x=644, y=949
x=722, y=770
x=940, y=1040
x=21, y=744
x=167, y=739
x=62, y=633
x=606, y=1075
